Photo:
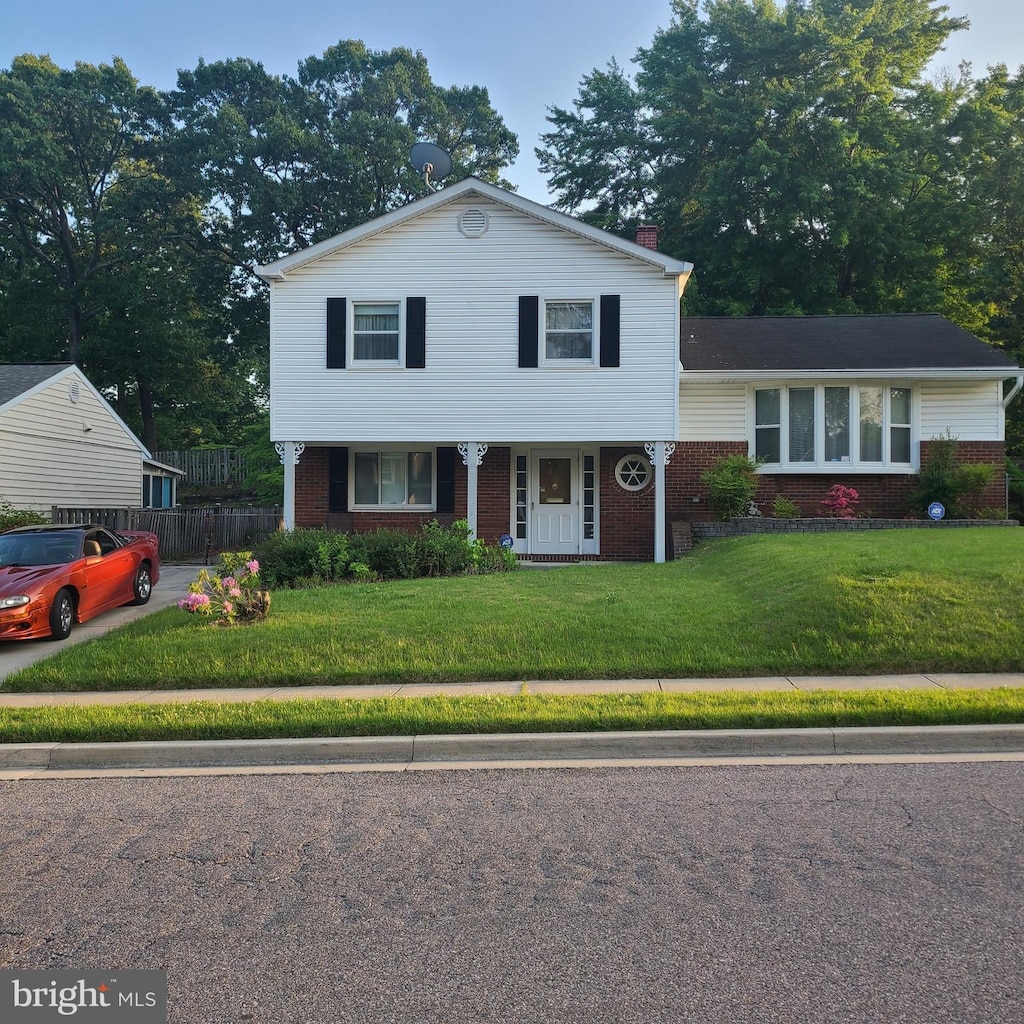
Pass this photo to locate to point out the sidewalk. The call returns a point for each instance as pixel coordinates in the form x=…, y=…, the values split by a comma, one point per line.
x=401, y=753
x=931, y=681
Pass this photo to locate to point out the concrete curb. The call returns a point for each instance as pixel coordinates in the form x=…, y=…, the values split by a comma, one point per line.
x=513, y=747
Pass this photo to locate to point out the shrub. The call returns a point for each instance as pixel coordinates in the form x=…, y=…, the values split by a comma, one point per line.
x=233, y=592
x=731, y=483
x=10, y=517
x=291, y=555
x=310, y=557
x=840, y=502
x=785, y=508
x=1016, y=490
x=958, y=487
x=444, y=552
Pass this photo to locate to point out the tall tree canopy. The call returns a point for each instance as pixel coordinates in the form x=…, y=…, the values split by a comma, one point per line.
x=792, y=150
x=131, y=221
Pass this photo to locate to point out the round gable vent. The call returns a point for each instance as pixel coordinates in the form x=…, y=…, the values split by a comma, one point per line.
x=74, y=391
x=473, y=222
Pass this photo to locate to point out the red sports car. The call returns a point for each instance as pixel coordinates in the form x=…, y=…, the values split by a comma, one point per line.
x=54, y=576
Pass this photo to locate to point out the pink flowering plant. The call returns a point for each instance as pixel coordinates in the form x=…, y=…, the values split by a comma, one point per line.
x=841, y=502
x=231, y=593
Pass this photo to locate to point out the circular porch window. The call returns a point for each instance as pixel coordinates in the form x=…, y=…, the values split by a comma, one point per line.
x=633, y=472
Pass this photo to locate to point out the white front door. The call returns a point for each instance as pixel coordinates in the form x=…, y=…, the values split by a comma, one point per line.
x=555, y=503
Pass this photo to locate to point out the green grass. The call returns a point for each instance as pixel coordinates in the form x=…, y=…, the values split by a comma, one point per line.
x=879, y=602
x=205, y=720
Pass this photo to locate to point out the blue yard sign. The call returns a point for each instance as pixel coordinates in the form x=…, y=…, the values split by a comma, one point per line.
x=936, y=510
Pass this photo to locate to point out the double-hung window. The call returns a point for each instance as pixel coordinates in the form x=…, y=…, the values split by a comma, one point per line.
x=825, y=426
x=376, y=333
x=569, y=331
x=393, y=480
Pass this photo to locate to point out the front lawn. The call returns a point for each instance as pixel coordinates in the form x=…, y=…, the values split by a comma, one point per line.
x=878, y=602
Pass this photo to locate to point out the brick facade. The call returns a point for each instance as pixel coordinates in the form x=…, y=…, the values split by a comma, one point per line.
x=626, y=518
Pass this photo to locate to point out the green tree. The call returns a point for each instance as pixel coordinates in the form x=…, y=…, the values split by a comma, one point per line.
x=792, y=150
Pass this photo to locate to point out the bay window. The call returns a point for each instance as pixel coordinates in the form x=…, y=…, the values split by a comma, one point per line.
x=826, y=426
x=393, y=480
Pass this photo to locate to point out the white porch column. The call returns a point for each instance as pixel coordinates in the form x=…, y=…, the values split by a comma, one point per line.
x=289, y=452
x=659, y=452
x=472, y=453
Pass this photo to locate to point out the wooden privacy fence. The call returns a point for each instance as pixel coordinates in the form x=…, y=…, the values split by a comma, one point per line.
x=184, y=533
x=207, y=467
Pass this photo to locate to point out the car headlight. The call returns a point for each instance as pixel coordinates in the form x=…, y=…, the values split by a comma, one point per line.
x=14, y=602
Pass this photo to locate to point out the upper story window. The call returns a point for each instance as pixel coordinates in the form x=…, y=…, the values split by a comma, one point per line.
x=824, y=426
x=376, y=332
x=569, y=331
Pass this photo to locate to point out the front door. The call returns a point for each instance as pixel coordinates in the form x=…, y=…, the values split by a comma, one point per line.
x=555, y=503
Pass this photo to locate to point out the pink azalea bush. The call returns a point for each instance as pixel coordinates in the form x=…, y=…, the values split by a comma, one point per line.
x=230, y=594
x=841, y=502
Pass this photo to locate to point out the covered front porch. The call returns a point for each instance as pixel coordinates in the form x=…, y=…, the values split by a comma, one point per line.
x=549, y=502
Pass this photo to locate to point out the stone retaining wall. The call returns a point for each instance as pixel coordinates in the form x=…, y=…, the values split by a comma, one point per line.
x=745, y=525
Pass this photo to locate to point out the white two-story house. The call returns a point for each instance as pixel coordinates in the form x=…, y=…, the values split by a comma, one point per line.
x=477, y=355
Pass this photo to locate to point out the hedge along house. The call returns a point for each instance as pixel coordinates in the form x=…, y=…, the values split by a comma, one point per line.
x=477, y=355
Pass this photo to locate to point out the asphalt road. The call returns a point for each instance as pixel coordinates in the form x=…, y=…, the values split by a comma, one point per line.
x=784, y=894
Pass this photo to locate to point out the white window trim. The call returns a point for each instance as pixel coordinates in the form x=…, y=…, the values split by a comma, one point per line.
x=391, y=449
x=350, y=336
x=569, y=364
x=853, y=465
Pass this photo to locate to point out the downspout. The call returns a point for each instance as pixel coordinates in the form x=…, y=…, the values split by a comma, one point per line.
x=1013, y=392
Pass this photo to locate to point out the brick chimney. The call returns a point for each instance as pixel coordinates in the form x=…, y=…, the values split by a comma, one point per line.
x=647, y=236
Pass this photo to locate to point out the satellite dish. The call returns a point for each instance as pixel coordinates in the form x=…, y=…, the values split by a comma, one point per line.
x=430, y=160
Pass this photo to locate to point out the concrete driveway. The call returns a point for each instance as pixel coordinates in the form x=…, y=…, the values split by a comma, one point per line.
x=174, y=580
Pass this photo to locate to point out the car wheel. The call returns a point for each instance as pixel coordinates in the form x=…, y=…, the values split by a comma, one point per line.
x=142, y=585
x=62, y=616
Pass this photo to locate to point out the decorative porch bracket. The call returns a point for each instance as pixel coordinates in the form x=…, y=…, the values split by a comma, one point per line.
x=659, y=452
x=472, y=453
x=289, y=452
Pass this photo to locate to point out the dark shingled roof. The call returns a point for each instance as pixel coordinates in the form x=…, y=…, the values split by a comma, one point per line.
x=17, y=378
x=864, y=342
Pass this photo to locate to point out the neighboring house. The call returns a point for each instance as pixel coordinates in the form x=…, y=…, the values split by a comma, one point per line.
x=62, y=444
x=477, y=355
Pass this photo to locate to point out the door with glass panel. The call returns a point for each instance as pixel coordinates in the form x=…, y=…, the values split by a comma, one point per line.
x=555, y=503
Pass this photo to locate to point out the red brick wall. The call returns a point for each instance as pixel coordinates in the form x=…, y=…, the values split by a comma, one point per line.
x=311, y=480
x=882, y=495
x=494, y=494
x=311, y=488
x=626, y=517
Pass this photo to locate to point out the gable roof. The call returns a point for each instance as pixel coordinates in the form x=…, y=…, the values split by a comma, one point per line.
x=856, y=344
x=19, y=381
x=18, y=378
x=468, y=188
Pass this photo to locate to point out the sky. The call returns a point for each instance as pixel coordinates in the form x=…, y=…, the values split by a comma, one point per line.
x=529, y=55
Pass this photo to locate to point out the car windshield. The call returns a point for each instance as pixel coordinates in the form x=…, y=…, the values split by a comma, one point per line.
x=39, y=548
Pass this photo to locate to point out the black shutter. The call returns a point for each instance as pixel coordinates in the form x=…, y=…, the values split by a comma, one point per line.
x=335, y=334
x=609, y=330
x=445, y=479
x=337, y=479
x=529, y=307
x=416, y=333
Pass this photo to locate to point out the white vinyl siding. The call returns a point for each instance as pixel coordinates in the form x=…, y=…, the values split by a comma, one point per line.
x=971, y=412
x=472, y=387
x=47, y=457
x=713, y=412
